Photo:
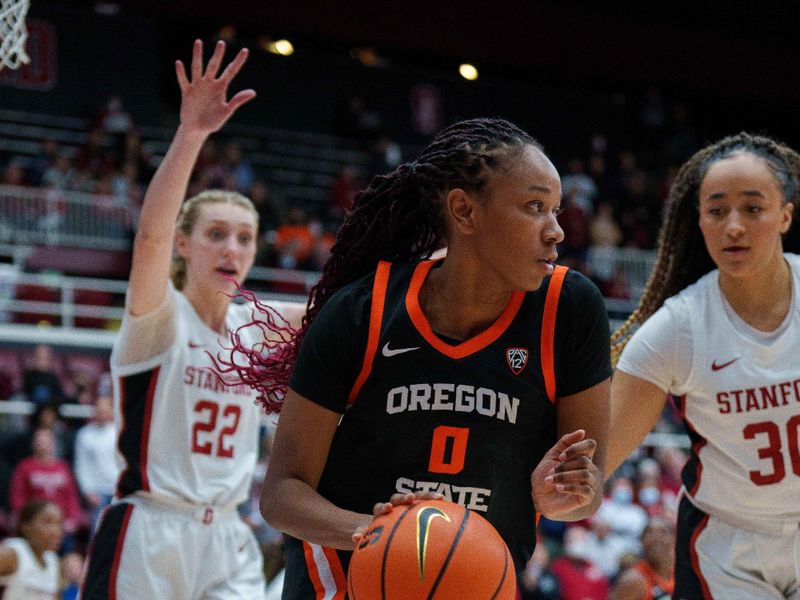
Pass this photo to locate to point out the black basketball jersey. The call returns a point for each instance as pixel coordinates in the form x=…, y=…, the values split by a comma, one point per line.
x=469, y=420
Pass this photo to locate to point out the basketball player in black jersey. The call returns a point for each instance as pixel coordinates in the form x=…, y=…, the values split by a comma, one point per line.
x=482, y=378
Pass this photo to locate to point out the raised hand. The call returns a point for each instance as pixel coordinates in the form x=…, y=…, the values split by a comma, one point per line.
x=204, y=104
x=566, y=483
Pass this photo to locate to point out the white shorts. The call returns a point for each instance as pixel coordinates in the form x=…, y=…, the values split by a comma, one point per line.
x=724, y=561
x=145, y=550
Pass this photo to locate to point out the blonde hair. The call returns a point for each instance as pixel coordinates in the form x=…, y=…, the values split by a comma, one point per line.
x=187, y=218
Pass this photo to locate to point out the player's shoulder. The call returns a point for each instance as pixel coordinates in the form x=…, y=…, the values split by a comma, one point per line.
x=578, y=289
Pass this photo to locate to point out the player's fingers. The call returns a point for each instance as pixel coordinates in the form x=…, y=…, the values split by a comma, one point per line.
x=235, y=65
x=180, y=72
x=586, y=474
x=583, y=493
x=197, y=60
x=215, y=61
x=358, y=534
x=381, y=508
x=583, y=448
x=398, y=499
x=581, y=462
x=241, y=98
x=564, y=442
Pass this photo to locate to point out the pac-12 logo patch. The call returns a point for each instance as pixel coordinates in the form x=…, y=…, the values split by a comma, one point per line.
x=517, y=358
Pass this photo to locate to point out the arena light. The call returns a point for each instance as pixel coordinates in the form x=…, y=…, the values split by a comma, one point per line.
x=468, y=71
x=281, y=47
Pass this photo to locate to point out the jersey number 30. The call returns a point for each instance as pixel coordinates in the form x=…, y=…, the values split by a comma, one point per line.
x=773, y=451
x=209, y=412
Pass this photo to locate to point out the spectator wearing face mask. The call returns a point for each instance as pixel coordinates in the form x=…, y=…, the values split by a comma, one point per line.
x=618, y=509
x=578, y=576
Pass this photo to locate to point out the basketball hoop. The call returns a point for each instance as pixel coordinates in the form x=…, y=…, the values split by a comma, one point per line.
x=13, y=33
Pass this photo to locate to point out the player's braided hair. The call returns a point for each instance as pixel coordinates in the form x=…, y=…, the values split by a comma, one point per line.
x=398, y=217
x=682, y=256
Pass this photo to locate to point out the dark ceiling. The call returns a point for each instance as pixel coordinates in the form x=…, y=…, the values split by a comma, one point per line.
x=751, y=50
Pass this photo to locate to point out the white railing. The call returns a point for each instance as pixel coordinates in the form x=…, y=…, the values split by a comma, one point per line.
x=39, y=216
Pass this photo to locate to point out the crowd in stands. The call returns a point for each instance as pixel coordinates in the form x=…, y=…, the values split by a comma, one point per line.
x=613, y=194
x=71, y=462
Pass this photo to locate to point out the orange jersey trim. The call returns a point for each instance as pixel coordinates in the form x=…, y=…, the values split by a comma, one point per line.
x=375, y=320
x=549, y=330
x=470, y=346
x=336, y=571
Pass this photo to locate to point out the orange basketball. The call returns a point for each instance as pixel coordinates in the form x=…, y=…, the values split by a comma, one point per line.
x=432, y=550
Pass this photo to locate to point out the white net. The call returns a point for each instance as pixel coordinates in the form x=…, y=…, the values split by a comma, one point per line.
x=13, y=33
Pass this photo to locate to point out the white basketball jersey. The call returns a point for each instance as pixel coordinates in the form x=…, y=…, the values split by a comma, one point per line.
x=741, y=404
x=183, y=434
x=31, y=581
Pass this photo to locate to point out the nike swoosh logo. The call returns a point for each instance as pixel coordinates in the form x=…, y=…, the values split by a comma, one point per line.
x=388, y=352
x=193, y=345
x=716, y=367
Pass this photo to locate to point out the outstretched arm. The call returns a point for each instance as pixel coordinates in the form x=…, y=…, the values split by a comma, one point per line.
x=636, y=406
x=204, y=110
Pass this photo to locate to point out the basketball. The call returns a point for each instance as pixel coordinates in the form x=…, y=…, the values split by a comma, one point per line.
x=431, y=550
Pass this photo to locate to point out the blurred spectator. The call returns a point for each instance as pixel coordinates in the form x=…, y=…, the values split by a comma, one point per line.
x=578, y=577
x=639, y=211
x=294, y=240
x=603, y=227
x=574, y=220
x=113, y=118
x=238, y=168
x=125, y=184
x=46, y=159
x=618, y=287
x=652, y=577
x=537, y=582
x=672, y=461
x=385, y=156
x=648, y=487
x=95, y=458
x=602, y=178
x=93, y=160
x=47, y=417
x=343, y=192
x=579, y=186
x=609, y=546
x=60, y=175
x=40, y=381
x=619, y=511
x=132, y=150
x=270, y=205
x=14, y=173
x=47, y=477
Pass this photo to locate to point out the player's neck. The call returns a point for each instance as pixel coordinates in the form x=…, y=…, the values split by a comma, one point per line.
x=458, y=303
x=763, y=300
x=211, y=307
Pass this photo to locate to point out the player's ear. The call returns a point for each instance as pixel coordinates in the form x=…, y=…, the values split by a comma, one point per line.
x=460, y=209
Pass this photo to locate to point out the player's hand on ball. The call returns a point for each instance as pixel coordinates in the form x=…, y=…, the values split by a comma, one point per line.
x=382, y=508
x=566, y=479
x=204, y=104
